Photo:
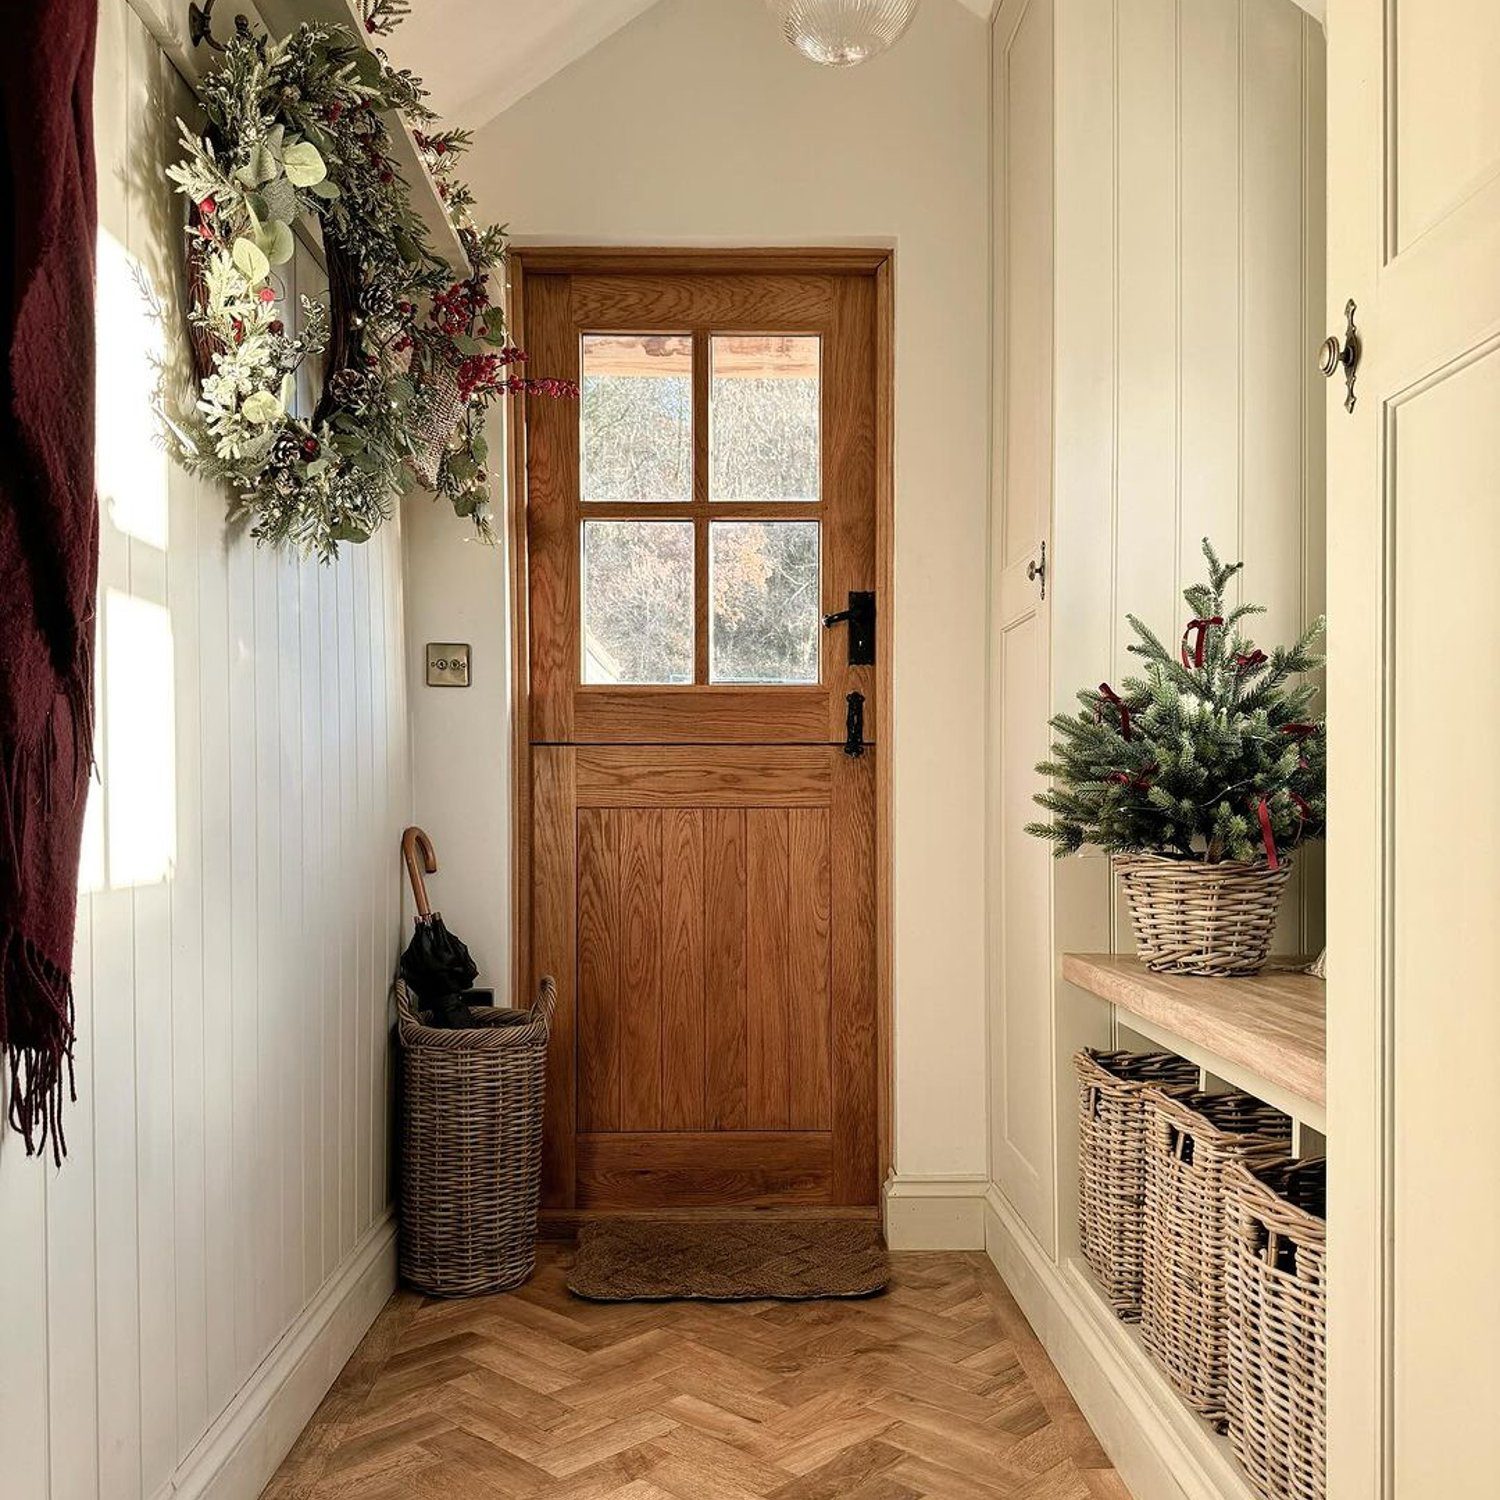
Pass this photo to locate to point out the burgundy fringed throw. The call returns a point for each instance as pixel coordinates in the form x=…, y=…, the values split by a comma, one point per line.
x=49, y=539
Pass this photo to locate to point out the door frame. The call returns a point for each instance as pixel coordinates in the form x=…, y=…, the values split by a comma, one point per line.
x=879, y=264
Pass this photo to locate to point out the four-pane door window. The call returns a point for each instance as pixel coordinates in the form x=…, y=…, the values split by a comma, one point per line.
x=700, y=494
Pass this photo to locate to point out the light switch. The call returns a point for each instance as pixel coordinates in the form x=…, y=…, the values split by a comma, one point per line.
x=447, y=664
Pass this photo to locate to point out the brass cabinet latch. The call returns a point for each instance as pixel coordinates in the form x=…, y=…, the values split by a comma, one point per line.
x=1335, y=356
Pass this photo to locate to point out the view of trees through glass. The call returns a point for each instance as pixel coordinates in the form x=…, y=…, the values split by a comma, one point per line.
x=637, y=447
x=764, y=616
x=636, y=417
x=763, y=418
x=637, y=601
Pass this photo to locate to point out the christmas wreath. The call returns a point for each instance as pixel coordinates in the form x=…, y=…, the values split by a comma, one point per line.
x=412, y=350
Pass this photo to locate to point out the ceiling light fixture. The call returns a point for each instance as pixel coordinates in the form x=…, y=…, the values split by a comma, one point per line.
x=841, y=33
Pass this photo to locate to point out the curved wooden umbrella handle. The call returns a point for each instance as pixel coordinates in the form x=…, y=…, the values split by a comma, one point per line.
x=411, y=841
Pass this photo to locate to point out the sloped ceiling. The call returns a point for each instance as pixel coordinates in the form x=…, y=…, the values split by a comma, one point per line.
x=477, y=57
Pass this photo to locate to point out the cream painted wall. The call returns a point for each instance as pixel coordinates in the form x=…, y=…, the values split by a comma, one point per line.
x=456, y=590
x=696, y=123
x=177, y=1297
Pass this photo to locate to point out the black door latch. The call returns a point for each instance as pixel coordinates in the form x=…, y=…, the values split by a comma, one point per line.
x=854, y=726
x=861, y=618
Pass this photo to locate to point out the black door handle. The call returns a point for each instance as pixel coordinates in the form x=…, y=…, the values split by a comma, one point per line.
x=861, y=617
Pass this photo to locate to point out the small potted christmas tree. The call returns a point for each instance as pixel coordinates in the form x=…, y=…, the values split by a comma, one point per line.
x=1199, y=778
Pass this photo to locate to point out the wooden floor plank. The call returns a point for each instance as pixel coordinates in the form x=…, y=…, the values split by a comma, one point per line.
x=939, y=1389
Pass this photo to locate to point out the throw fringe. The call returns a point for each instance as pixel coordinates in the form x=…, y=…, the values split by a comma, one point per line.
x=36, y=1035
x=37, y=1031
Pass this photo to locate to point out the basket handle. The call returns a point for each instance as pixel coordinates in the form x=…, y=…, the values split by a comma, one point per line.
x=545, y=1004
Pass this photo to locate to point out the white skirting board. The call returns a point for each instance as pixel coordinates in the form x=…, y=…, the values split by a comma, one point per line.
x=1160, y=1448
x=241, y=1450
x=934, y=1213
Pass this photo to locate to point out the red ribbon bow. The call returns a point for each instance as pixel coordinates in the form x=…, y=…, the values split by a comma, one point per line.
x=1267, y=835
x=1298, y=731
x=1121, y=706
x=1140, y=782
x=1198, y=628
x=1246, y=661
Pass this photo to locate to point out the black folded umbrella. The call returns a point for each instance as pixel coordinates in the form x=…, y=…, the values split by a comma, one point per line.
x=436, y=965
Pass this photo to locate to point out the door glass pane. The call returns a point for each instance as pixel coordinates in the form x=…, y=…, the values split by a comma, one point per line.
x=636, y=416
x=764, y=620
x=637, y=601
x=764, y=417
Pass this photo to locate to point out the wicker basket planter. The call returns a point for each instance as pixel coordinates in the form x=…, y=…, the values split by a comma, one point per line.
x=1278, y=1326
x=1112, y=1161
x=1193, y=918
x=1191, y=1142
x=471, y=1148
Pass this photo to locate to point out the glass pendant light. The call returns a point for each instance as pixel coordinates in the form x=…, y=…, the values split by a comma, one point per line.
x=841, y=33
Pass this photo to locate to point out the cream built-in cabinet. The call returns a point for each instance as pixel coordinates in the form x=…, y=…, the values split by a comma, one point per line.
x=1158, y=171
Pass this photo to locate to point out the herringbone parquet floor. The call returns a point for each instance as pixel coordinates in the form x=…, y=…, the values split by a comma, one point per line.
x=939, y=1388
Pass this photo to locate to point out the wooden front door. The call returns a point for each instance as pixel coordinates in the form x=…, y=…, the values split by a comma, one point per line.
x=703, y=845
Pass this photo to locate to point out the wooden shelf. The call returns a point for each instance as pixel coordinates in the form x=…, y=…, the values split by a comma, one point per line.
x=1264, y=1033
x=167, y=20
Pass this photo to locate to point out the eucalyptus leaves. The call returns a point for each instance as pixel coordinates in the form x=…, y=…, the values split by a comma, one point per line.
x=300, y=129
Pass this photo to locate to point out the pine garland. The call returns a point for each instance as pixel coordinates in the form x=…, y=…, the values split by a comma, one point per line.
x=1213, y=754
x=303, y=127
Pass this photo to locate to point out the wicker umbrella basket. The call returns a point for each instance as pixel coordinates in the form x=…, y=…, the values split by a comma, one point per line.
x=1278, y=1326
x=1112, y=1161
x=471, y=1147
x=1191, y=1142
x=1195, y=918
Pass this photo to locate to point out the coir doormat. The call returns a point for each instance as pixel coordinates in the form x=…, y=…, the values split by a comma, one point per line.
x=728, y=1260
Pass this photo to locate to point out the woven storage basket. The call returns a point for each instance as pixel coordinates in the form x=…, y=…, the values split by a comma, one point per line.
x=442, y=408
x=1278, y=1326
x=1191, y=1142
x=471, y=1148
x=1112, y=1161
x=1193, y=918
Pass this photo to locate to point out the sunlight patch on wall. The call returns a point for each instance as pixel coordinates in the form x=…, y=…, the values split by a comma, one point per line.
x=140, y=741
x=131, y=462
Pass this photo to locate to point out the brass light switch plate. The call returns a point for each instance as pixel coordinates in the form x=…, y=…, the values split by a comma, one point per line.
x=447, y=664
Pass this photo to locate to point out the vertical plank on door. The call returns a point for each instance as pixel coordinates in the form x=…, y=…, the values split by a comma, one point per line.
x=853, y=996
x=683, y=1098
x=640, y=969
x=767, y=1002
x=599, y=986
x=724, y=906
x=808, y=929
x=553, y=936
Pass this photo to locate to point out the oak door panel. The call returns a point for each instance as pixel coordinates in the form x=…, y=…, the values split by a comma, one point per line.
x=650, y=932
x=717, y=1170
x=703, y=776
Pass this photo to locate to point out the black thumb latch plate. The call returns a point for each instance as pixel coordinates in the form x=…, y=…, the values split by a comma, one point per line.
x=861, y=618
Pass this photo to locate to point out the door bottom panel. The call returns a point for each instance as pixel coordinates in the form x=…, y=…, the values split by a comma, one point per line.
x=652, y=1169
